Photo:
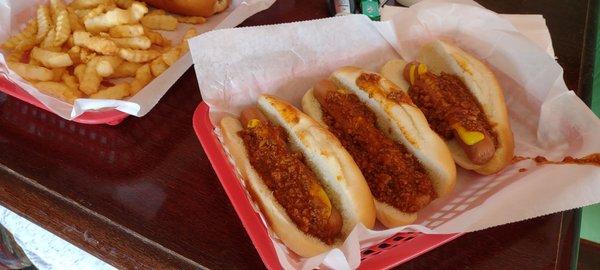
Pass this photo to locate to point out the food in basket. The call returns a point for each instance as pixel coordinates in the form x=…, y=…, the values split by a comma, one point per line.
x=79, y=50
x=463, y=103
x=203, y=8
x=405, y=163
x=306, y=184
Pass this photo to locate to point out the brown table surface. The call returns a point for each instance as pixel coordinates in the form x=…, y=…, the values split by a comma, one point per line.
x=143, y=194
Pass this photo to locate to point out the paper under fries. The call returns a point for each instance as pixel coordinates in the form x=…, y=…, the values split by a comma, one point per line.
x=16, y=16
x=104, y=36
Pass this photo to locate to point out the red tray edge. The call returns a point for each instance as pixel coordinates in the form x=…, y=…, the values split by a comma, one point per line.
x=109, y=117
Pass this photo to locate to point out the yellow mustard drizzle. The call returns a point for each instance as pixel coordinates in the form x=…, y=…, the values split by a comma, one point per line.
x=318, y=191
x=468, y=137
x=253, y=123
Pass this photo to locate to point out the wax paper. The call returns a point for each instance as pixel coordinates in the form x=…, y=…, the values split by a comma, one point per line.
x=547, y=119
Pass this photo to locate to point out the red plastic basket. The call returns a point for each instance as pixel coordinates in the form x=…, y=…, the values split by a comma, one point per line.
x=110, y=117
x=391, y=252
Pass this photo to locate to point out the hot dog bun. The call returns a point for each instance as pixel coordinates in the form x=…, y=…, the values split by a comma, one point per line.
x=339, y=175
x=440, y=57
x=403, y=123
x=202, y=8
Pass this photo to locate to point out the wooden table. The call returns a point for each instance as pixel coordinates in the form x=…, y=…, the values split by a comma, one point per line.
x=143, y=194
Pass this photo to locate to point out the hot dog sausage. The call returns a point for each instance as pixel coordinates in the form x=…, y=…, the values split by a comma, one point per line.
x=451, y=110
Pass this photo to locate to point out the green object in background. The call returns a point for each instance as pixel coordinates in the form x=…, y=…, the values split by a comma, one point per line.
x=596, y=81
x=371, y=9
x=590, y=221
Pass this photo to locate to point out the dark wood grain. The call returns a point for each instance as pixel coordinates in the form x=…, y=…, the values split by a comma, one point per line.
x=143, y=194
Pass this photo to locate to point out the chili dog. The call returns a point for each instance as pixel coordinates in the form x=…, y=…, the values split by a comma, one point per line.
x=405, y=163
x=462, y=101
x=306, y=185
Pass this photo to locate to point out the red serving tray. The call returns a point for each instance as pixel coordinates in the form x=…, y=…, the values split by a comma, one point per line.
x=393, y=251
x=110, y=117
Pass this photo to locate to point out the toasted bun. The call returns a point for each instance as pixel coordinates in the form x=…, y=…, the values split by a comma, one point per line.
x=480, y=80
x=202, y=8
x=403, y=123
x=339, y=175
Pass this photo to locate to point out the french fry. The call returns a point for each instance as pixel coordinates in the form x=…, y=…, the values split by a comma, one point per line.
x=55, y=7
x=190, y=33
x=57, y=74
x=26, y=44
x=78, y=71
x=53, y=49
x=118, y=91
x=85, y=4
x=190, y=19
x=115, y=17
x=15, y=56
x=85, y=14
x=138, y=56
x=70, y=81
x=142, y=77
x=159, y=22
x=11, y=42
x=171, y=56
x=58, y=90
x=105, y=21
x=125, y=69
x=124, y=4
x=44, y=22
x=137, y=11
x=31, y=72
x=111, y=7
x=27, y=32
x=75, y=52
x=63, y=27
x=82, y=13
x=98, y=44
x=158, y=66
x=76, y=24
x=141, y=42
x=155, y=37
x=69, y=43
x=26, y=39
x=49, y=39
x=107, y=65
x=86, y=55
x=34, y=62
x=81, y=37
x=104, y=69
x=126, y=30
x=114, y=61
x=90, y=80
x=51, y=59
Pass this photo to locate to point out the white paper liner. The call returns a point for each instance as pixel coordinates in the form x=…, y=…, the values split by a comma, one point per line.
x=547, y=119
x=14, y=13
